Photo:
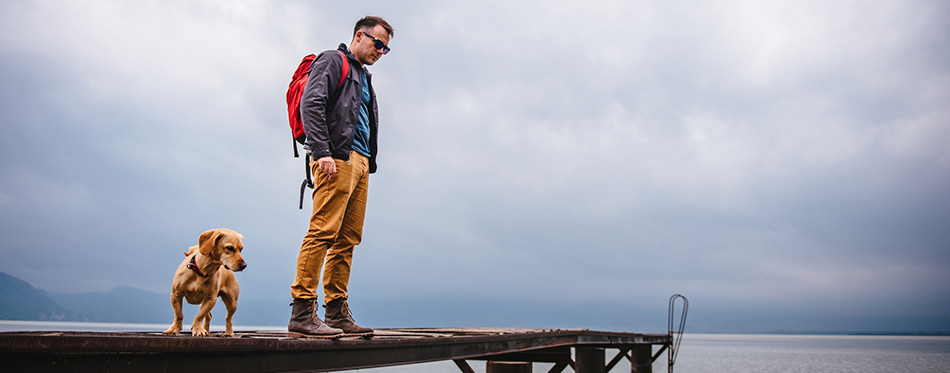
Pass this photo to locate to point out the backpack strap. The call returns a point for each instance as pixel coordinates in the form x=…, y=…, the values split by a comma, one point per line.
x=346, y=69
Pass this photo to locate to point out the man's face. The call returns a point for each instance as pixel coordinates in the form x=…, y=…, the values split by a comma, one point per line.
x=365, y=50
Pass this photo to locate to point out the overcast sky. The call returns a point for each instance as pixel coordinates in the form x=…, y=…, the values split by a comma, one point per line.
x=781, y=155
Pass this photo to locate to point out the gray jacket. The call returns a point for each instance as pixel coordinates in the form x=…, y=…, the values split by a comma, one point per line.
x=330, y=114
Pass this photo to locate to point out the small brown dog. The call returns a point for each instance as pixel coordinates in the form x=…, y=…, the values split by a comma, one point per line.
x=201, y=280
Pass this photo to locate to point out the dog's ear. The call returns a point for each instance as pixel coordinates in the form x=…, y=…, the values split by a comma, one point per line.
x=207, y=240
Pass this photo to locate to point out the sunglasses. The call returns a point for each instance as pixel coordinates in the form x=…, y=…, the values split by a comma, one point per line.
x=379, y=43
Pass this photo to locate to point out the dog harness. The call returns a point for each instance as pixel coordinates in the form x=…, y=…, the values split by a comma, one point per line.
x=194, y=267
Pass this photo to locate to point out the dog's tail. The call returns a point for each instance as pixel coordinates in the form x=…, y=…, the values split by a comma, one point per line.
x=191, y=250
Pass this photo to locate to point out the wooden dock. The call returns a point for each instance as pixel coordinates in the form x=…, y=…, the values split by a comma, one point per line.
x=505, y=350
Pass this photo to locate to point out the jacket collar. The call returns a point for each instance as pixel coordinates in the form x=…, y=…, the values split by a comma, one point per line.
x=346, y=51
x=349, y=55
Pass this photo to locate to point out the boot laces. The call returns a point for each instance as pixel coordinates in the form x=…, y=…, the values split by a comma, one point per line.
x=312, y=309
x=345, y=310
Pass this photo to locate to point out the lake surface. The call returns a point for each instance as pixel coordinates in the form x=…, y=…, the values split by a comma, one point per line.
x=755, y=353
x=739, y=353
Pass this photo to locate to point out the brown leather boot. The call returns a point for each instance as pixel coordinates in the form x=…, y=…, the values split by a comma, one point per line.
x=304, y=322
x=339, y=316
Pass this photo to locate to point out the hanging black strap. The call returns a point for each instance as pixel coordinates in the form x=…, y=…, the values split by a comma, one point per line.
x=307, y=183
x=296, y=155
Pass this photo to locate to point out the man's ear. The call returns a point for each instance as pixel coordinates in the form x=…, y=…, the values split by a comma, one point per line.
x=206, y=241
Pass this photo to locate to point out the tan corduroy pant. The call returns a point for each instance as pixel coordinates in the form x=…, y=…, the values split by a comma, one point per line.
x=336, y=226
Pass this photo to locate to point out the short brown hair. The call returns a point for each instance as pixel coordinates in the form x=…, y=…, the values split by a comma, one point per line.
x=369, y=22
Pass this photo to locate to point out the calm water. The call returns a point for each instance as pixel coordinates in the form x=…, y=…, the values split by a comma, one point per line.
x=748, y=353
x=699, y=352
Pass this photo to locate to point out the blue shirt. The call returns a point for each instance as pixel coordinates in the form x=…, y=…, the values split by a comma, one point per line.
x=361, y=137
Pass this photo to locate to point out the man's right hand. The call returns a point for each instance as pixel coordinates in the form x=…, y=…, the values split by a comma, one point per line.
x=327, y=165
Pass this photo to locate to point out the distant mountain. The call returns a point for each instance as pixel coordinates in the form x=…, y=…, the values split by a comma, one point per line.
x=21, y=301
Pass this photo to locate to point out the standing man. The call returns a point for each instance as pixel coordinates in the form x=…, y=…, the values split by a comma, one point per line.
x=339, y=116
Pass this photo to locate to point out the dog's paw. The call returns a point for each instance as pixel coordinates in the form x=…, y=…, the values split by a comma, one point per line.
x=199, y=332
x=171, y=331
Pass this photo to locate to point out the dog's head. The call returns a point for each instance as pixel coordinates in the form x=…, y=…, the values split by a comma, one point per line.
x=225, y=246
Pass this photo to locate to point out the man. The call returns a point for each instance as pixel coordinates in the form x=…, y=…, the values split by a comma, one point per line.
x=341, y=125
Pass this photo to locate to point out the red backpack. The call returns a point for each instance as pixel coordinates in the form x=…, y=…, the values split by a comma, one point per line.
x=294, y=93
